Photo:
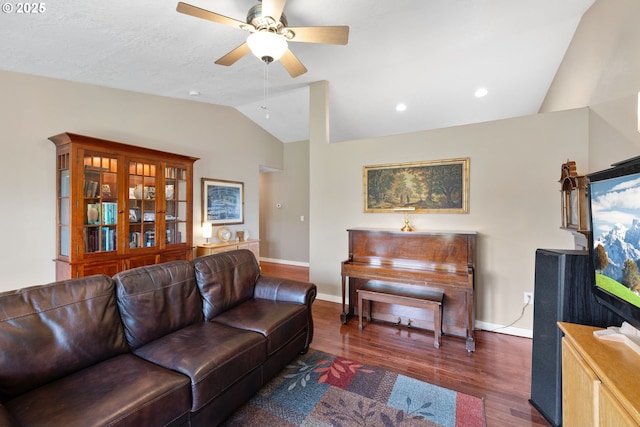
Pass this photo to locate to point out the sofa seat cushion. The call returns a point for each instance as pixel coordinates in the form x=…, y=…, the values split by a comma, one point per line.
x=278, y=322
x=122, y=391
x=212, y=355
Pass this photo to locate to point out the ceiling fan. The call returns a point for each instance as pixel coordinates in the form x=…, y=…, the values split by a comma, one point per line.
x=269, y=34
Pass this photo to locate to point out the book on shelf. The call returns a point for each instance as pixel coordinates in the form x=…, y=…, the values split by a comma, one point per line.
x=109, y=213
x=100, y=239
x=173, y=236
x=134, y=239
x=149, y=238
x=91, y=239
x=108, y=239
x=91, y=188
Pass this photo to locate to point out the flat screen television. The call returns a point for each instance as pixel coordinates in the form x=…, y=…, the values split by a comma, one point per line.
x=614, y=197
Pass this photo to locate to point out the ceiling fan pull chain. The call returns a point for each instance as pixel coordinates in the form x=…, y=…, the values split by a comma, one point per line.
x=265, y=93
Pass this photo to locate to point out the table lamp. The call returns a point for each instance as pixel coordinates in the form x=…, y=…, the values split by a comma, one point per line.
x=207, y=231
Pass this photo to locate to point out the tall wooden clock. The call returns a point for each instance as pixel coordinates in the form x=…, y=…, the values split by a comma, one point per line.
x=575, y=218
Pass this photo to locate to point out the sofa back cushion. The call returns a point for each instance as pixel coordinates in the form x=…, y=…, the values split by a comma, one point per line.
x=226, y=279
x=49, y=331
x=156, y=300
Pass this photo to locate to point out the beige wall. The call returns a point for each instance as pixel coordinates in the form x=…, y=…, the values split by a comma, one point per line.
x=284, y=236
x=601, y=69
x=515, y=166
x=613, y=134
x=514, y=202
x=32, y=109
x=602, y=61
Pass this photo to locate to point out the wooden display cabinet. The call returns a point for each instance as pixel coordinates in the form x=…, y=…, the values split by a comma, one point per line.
x=120, y=206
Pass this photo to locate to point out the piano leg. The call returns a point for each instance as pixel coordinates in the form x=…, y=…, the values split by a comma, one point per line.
x=343, y=315
x=471, y=345
x=347, y=309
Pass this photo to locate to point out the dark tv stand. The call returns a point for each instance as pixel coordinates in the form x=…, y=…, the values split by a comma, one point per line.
x=562, y=293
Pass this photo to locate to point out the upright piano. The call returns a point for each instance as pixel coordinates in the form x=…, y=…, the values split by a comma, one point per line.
x=436, y=260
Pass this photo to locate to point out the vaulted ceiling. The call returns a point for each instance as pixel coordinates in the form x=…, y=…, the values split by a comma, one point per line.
x=431, y=55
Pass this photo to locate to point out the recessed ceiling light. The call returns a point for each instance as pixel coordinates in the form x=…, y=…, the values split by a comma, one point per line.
x=401, y=107
x=194, y=93
x=481, y=92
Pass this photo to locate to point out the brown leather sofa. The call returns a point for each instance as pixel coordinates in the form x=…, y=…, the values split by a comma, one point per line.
x=179, y=343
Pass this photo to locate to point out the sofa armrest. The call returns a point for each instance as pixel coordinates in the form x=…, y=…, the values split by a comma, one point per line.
x=286, y=290
x=6, y=419
x=277, y=289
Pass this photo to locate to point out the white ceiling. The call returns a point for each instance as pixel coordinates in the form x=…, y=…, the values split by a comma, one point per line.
x=429, y=54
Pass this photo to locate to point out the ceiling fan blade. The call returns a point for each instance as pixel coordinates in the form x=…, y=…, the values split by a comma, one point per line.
x=188, y=9
x=329, y=35
x=231, y=57
x=292, y=64
x=273, y=8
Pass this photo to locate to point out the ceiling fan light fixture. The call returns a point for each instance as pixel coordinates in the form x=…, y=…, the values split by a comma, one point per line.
x=481, y=92
x=267, y=46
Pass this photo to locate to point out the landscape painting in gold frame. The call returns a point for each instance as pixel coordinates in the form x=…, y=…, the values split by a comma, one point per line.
x=439, y=186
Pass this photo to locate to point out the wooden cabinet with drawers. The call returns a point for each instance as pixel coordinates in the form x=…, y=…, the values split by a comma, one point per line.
x=600, y=381
x=252, y=244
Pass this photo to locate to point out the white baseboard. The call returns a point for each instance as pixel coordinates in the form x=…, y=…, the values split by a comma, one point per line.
x=485, y=326
x=508, y=330
x=284, y=261
x=330, y=298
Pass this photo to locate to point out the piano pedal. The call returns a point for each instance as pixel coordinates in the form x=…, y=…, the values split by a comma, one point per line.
x=399, y=322
x=409, y=323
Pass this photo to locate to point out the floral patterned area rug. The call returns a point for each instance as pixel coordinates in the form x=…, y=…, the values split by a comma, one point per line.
x=320, y=389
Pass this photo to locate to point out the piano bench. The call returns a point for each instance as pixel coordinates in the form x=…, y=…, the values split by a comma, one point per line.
x=375, y=290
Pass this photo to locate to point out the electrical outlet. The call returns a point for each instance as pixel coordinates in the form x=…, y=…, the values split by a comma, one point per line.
x=528, y=298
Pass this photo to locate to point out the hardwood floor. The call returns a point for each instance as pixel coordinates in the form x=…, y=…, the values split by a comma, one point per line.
x=499, y=371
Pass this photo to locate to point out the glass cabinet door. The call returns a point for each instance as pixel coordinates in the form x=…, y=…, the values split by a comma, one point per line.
x=119, y=206
x=176, y=205
x=142, y=204
x=64, y=206
x=100, y=208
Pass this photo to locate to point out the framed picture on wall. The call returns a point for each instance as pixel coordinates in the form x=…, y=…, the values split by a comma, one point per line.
x=440, y=186
x=222, y=201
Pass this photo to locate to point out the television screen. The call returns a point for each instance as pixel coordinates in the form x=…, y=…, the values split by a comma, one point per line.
x=614, y=196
